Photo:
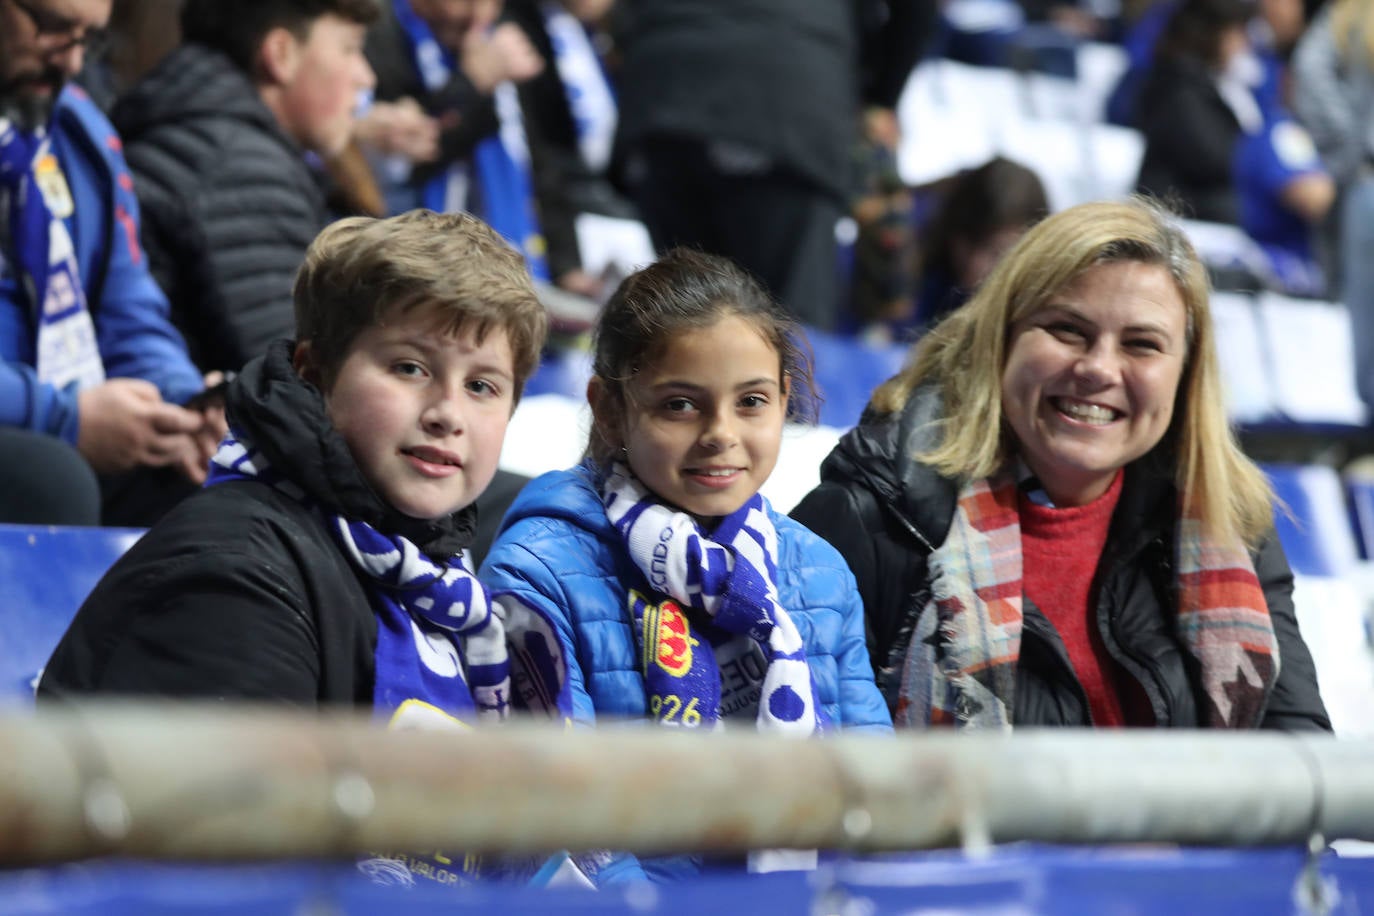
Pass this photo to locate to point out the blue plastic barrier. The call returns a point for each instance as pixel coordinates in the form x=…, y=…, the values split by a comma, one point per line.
x=1019, y=879
x=45, y=574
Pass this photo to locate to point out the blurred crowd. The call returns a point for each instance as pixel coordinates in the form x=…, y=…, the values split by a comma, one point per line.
x=155, y=216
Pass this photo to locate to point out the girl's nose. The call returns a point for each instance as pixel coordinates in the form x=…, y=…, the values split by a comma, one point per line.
x=719, y=433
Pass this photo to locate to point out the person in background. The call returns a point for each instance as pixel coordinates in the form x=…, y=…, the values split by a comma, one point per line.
x=1333, y=97
x=460, y=65
x=93, y=375
x=978, y=218
x=1048, y=516
x=1285, y=194
x=217, y=136
x=739, y=120
x=1195, y=104
x=571, y=114
x=653, y=581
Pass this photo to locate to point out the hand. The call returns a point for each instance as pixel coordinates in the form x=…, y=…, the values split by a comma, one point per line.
x=490, y=58
x=202, y=444
x=881, y=127
x=400, y=128
x=124, y=424
x=580, y=282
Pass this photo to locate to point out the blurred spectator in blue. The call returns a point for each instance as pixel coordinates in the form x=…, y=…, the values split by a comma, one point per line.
x=739, y=119
x=1196, y=102
x=217, y=136
x=980, y=215
x=571, y=113
x=1285, y=193
x=88, y=357
x=1333, y=95
x=458, y=64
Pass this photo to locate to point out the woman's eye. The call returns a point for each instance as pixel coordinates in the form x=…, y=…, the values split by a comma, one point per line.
x=1064, y=330
x=753, y=401
x=1145, y=345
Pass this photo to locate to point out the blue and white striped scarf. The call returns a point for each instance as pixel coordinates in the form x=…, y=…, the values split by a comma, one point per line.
x=34, y=199
x=501, y=162
x=730, y=576
x=441, y=652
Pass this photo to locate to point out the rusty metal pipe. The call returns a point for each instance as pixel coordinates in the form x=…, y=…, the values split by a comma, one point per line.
x=217, y=783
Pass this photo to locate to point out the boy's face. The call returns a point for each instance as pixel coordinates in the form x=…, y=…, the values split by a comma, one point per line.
x=423, y=412
x=321, y=82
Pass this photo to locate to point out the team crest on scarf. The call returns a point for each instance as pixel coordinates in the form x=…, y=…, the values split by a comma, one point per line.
x=668, y=637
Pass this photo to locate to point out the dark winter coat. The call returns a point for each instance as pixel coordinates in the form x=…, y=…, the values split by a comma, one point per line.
x=240, y=593
x=886, y=513
x=229, y=203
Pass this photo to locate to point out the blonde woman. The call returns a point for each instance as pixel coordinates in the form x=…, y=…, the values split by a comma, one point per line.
x=1046, y=512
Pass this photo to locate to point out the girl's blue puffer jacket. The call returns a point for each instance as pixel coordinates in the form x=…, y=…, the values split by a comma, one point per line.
x=557, y=551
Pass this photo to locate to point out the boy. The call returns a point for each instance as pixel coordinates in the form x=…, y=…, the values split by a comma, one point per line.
x=352, y=463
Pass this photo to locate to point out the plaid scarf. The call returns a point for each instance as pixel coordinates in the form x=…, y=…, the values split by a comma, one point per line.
x=961, y=667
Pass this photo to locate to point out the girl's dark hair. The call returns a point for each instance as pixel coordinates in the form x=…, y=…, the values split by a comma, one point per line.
x=685, y=290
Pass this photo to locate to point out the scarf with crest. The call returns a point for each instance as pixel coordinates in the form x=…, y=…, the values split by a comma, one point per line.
x=731, y=578
x=66, y=351
x=961, y=667
x=441, y=652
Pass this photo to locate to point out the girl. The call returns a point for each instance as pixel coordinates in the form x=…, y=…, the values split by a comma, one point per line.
x=653, y=580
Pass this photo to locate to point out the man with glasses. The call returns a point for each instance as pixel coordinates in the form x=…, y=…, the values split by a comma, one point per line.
x=88, y=357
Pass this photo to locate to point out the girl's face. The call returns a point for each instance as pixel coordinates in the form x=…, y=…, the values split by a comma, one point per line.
x=703, y=423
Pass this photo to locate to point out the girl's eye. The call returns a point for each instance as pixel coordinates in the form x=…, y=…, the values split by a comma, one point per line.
x=407, y=368
x=678, y=405
x=753, y=401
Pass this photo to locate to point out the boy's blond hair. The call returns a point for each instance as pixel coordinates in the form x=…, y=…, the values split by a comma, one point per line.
x=361, y=269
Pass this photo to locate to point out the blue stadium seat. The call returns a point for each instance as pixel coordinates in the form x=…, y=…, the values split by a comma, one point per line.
x=847, y=371
x=1318, y=537
x=562, y=372
x=45, y=574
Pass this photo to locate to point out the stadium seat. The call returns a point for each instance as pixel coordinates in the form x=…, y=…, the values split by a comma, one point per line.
x=847, y=370
x=1315, y=532
x=45, y=574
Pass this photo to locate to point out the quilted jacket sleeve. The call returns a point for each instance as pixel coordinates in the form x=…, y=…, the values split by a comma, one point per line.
x=519, y=580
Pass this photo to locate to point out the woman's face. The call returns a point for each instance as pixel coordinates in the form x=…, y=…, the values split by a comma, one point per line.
x=1092, y=375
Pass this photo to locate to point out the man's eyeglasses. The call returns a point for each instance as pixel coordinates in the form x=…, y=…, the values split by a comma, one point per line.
x=62, y=31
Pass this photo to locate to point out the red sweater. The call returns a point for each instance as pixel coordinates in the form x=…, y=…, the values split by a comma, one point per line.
x=1060, y=549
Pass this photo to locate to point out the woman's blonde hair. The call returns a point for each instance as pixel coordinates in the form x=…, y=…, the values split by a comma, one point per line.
x=1352, y=24
x=966, y=354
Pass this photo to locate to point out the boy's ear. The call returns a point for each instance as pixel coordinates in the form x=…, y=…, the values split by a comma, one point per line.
x=279, y=57
x=303, y=360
